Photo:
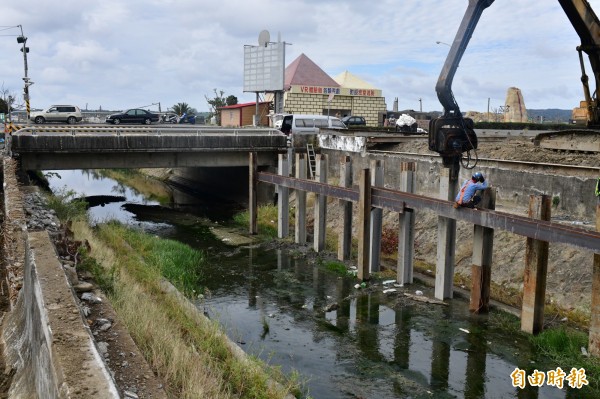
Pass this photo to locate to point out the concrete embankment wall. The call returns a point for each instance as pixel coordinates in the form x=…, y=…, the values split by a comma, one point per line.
x=46, y=341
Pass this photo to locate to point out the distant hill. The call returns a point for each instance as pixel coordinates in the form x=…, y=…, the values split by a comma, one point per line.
x=550, y=115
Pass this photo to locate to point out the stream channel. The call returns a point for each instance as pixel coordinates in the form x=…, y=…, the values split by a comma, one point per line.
x=367, y=345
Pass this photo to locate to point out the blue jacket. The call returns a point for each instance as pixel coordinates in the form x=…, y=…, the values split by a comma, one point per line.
x=468, y=189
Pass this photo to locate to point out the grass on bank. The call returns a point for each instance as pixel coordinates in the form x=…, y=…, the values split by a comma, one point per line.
x=266, y=220
x=67, y=205
x=189, y=352
x=561, y=345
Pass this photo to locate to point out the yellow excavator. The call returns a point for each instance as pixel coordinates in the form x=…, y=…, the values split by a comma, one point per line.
x=452, y=136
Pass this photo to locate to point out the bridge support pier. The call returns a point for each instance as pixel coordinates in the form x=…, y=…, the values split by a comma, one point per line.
x=536, y=268
x=406, y=231
x=283, y=200
x=252, y=190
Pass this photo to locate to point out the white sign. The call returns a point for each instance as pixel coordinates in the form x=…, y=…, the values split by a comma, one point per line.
x=264, y=67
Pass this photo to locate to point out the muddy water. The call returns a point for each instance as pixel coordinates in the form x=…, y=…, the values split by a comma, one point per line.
x=345, y=342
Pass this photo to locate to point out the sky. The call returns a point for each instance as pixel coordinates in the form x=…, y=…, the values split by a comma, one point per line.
x=119, y=54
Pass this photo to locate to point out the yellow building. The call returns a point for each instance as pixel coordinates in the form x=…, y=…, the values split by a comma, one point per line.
x=309, y=90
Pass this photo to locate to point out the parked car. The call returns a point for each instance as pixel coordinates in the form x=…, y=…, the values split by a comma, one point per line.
x=354, y=121
x=309, y=124
x=133, y=116
x=57, y=113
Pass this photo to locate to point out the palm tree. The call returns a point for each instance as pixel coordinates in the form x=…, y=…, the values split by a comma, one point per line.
x=181, y=108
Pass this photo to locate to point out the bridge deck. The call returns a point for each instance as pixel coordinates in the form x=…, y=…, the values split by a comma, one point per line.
x=132, y=147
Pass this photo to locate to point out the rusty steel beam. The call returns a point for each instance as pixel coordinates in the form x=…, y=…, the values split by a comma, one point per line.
x=521, y=225
x=344, y=193
x=398, y=201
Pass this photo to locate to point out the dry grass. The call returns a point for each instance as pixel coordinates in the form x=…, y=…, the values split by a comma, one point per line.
x=190, y=353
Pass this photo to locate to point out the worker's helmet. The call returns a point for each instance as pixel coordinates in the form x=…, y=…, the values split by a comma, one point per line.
x=478, y=177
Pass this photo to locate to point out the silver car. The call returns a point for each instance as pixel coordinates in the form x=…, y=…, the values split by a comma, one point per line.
x=58, y=113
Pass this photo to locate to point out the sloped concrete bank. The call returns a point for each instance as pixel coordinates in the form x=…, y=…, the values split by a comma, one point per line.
x=47, y=344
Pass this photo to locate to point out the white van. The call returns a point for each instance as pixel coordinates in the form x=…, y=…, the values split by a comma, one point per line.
x=309, y=124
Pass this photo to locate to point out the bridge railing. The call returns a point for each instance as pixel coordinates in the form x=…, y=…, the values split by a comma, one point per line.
x=145, y=130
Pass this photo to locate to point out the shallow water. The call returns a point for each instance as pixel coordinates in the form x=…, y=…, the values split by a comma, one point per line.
x=369, y=345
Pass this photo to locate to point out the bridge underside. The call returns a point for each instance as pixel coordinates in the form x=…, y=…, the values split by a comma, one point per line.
x=134, y=160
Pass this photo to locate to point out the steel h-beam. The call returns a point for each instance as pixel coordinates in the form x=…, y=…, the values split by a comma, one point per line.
x=398, y=201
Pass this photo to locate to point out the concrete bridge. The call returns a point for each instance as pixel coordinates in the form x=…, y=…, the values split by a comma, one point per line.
x=55, y=148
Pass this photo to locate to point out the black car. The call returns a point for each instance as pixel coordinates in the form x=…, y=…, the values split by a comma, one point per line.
x=133, y=116
x=354, y=121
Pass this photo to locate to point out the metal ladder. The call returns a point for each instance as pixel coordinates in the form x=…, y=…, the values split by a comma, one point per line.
x=312, y=162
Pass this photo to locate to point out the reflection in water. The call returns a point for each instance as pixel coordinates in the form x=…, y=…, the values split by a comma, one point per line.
x=440, y=354
x=476, y=356
x=371, y=345
x=348, y=343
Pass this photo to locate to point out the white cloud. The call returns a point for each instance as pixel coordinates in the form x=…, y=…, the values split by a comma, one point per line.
x=120, y=53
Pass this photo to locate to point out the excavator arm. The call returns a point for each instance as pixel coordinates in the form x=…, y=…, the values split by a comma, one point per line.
x=451, y=135
x=586, y=24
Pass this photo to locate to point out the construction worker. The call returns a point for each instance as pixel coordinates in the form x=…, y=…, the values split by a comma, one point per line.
x=467, y=195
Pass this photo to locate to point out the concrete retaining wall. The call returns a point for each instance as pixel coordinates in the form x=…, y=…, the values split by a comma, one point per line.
x=46, y=341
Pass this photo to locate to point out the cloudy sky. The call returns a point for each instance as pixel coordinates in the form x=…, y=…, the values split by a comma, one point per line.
x=118, y=54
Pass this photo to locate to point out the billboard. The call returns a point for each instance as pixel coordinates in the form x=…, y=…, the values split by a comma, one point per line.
x=264, y=67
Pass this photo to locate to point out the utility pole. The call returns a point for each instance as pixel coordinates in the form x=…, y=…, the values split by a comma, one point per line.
x=420, y=105
x=23, y=40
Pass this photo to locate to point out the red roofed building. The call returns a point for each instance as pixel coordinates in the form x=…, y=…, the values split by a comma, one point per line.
x=309, y=90
x=239, y=115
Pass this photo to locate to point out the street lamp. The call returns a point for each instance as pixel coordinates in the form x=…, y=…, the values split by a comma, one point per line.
x=23, y=40
x=443, y=43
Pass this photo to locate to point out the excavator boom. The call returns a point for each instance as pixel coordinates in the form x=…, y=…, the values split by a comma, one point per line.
x=586, y=24
x=451, y=135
